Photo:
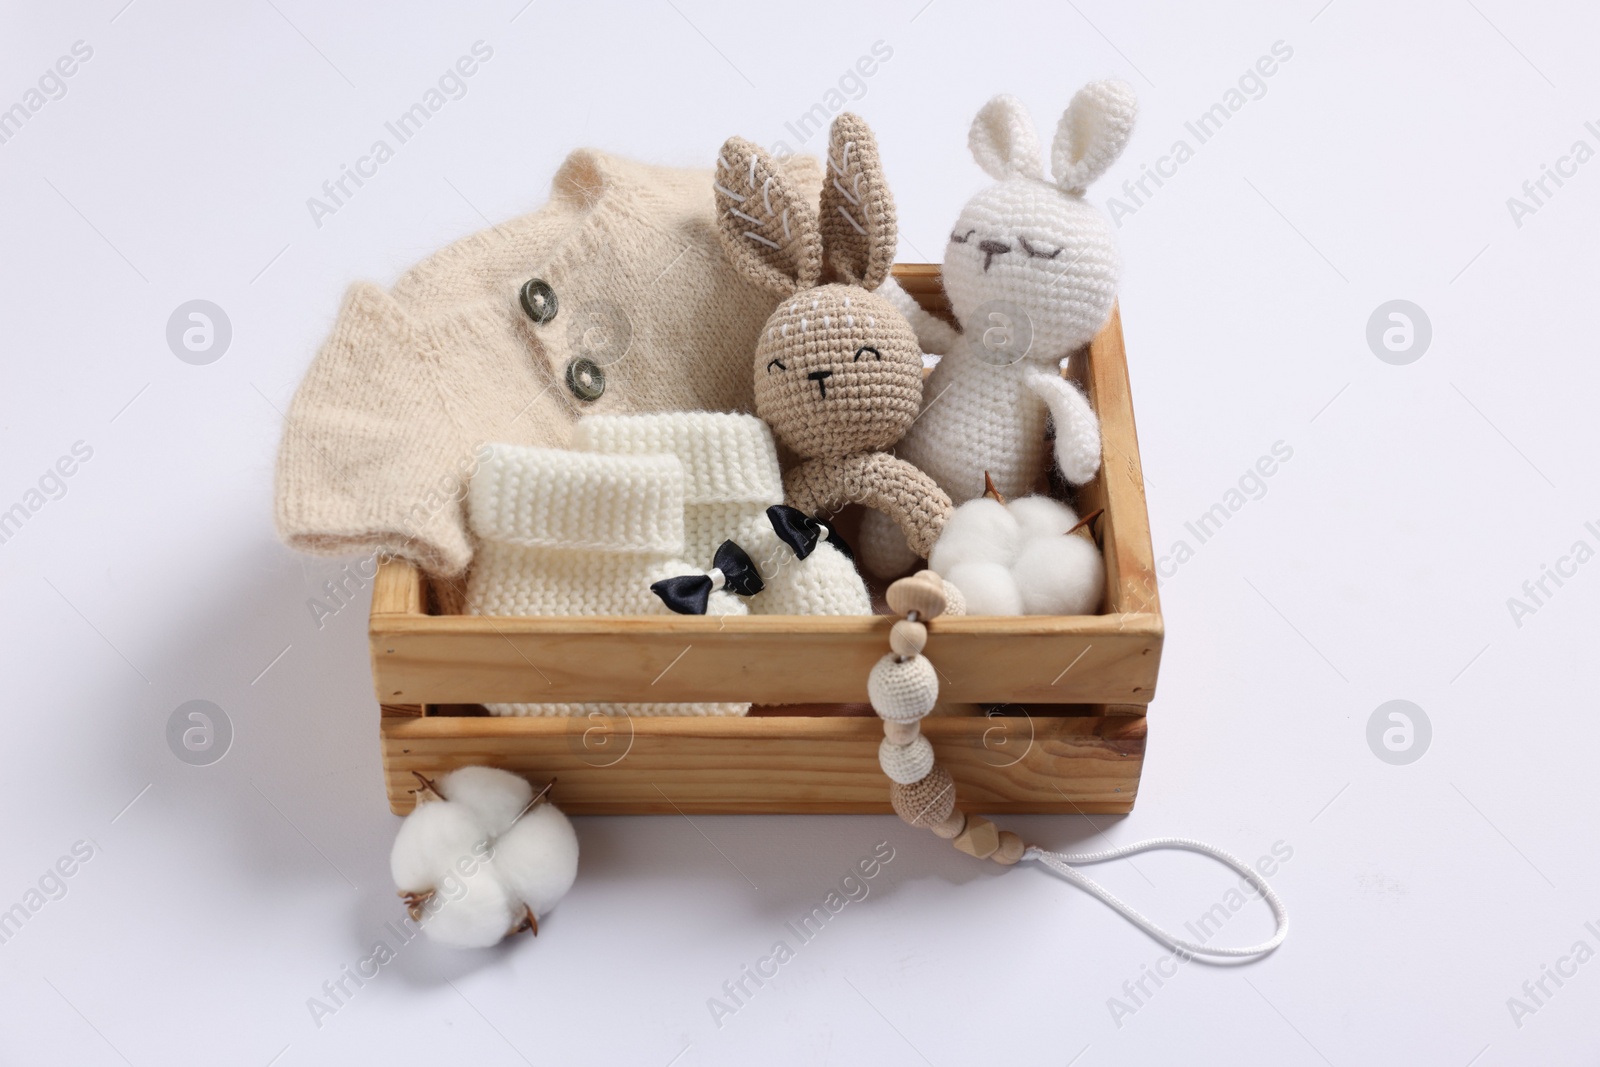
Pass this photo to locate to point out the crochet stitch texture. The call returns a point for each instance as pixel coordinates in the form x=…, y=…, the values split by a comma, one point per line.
x=838, y=372
x=731, y=477
x=576, y=533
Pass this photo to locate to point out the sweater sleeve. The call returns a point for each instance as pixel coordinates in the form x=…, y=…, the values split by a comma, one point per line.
x=368, y=458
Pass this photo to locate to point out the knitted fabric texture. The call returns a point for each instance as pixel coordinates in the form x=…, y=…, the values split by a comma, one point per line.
x=925, y=803
x=384, y=431
x=903, y=690
x=1031, y=269
x=906, y=763
x=838, y=371
x=729, y=465
x=572, y=533
x=731, y=477
x=544, y=498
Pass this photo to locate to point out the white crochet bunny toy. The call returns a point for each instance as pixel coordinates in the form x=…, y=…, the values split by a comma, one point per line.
x=1031, y=271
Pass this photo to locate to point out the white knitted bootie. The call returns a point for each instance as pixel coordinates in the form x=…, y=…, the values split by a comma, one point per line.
x=572, y=533
x=731, y=478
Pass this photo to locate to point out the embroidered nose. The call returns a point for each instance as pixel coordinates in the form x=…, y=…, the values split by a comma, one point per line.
x=990, y=249
x=821, y=378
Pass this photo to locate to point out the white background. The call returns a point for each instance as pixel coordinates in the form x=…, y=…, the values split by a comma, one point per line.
x=1377, y=566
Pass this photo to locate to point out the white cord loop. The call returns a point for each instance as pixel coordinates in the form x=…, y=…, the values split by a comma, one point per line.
x=1061, y=863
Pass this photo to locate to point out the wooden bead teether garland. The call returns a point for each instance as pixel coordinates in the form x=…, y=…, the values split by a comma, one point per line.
x=903, y=688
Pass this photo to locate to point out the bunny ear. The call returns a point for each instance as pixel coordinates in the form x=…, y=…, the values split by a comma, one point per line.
x=1092, y=133
x=859, y=234
x=769, y=233
x=1003, y=140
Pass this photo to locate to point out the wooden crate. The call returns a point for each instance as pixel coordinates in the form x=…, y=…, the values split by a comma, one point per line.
x=1068, y=735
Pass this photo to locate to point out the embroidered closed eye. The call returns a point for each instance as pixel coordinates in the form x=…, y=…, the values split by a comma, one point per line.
x=963, y=238
x=1038, y=253
x=868, y=348
x=776, y=363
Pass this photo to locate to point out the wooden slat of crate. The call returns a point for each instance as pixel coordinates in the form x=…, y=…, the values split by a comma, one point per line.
x=1119, y=487
x=787, y=764
x=766, y=659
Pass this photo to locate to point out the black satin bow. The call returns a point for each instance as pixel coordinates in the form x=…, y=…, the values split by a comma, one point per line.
x=801, y=532
x=689, y=594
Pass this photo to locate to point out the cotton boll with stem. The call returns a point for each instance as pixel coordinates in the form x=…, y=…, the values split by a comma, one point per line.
x=440, y=863
x=1019, y=557
x=481, y=857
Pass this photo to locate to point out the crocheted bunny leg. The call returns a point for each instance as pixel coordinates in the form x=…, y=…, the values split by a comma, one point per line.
x=876, y=480
x=731, y=477
x=565, y=533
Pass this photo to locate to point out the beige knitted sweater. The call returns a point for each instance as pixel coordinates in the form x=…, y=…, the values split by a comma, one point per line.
x=389, y=423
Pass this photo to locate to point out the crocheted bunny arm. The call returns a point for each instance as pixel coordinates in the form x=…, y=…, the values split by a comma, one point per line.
x=876, y=480
x=1077, y=426
x=935, y=335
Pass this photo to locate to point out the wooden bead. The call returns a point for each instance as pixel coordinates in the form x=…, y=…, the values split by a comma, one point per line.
x=922, y=595
x=901, y=733
x=1010, y=850
x=979, y=839
x=927, y=803
x=952, y=826
x=908, y=638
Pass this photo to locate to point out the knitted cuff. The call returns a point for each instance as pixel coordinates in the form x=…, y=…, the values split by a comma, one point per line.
x=727, y=459
x=552, y=498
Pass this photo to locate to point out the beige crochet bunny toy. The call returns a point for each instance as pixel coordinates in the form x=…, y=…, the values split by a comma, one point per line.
x=1031, y=270
x=838, y=369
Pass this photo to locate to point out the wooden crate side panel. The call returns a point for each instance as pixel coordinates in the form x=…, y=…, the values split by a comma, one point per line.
x=1119, y=488
x=767, y=660
x=607, y=765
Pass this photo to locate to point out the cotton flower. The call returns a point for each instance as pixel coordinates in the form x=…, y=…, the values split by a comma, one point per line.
x=1019, y=559
x=483, y=861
